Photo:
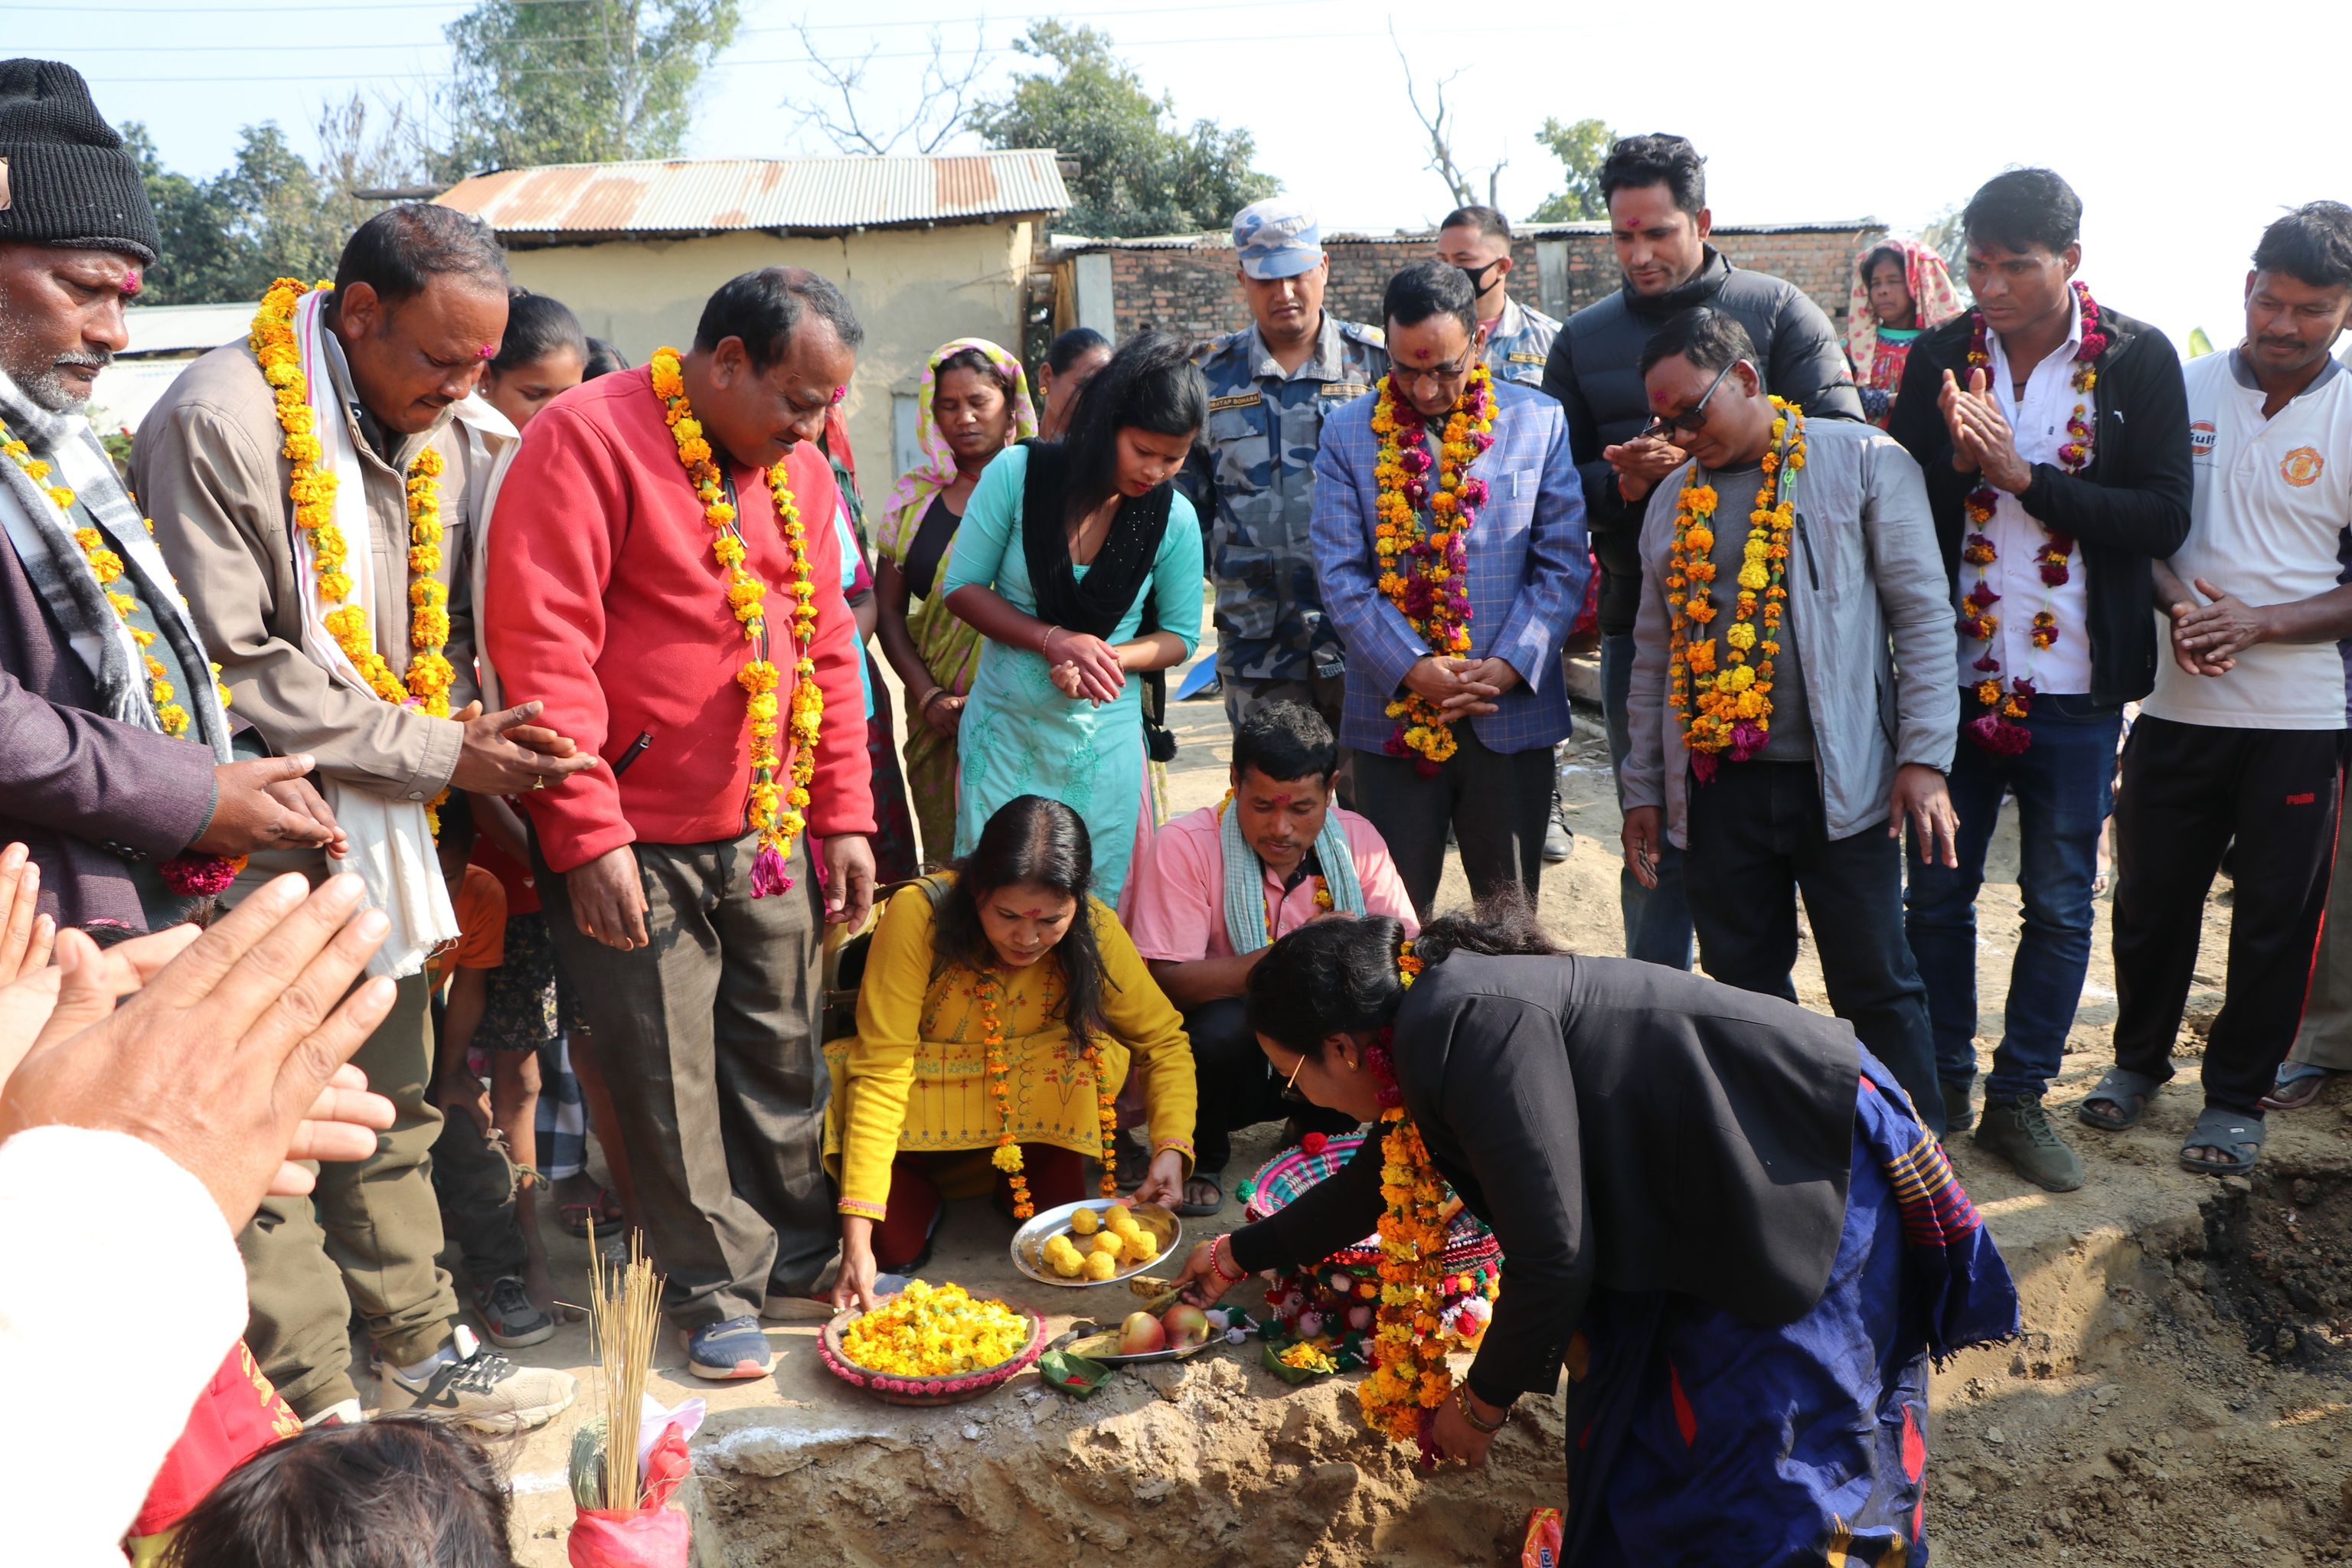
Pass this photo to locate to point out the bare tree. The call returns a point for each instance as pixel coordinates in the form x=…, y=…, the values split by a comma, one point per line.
x=1440, y=142
x=380, y=148
x=940, y=110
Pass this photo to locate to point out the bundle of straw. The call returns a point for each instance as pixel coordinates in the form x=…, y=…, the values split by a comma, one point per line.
x=624, y=1314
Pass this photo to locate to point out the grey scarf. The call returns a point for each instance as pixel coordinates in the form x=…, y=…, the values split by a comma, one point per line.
x=61, y=575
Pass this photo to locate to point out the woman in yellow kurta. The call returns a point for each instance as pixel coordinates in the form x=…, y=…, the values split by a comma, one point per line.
x=996, y=952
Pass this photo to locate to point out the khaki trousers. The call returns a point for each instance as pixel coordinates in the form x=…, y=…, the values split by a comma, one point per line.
x=365, y=1241
x=708, y=1041
x=2325, y=1037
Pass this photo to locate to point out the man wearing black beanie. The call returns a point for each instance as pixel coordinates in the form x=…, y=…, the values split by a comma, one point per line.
x=117, y=771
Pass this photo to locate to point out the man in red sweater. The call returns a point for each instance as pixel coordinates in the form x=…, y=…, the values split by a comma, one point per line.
x=612, y=598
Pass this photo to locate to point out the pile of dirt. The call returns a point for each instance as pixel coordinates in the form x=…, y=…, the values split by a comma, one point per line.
x=2205, y=1418
x=1209, y=1463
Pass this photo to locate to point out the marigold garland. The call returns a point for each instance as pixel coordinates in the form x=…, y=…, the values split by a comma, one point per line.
x=778, y=810
x=1424, y=571
x=1995, y=729
x=1722, y=697
x=191, y=873
x=312, y=492
x=1007, y=1157
x=1409, y=1378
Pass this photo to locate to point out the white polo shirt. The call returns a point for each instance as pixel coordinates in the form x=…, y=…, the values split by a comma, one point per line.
x=2267, y=522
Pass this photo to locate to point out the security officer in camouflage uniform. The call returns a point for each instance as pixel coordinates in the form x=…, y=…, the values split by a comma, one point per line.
x=1270, y=385
x=1517, y=337
x=1516, y=340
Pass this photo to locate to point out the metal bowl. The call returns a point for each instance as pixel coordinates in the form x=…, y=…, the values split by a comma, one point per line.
x=1029, y=1241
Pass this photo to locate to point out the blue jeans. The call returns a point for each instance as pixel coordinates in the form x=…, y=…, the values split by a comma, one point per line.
x=1658, y=920
x=2065, y=785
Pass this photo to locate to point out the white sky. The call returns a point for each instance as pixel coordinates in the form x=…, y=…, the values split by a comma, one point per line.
x=1811, y=112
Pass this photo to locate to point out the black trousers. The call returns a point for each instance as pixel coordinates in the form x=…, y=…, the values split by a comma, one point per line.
x=1497, y=803
x=2188, y=791
x=1237, y=1086
x=1757, y=838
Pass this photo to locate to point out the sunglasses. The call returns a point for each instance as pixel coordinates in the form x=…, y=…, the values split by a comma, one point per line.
x=1691, y=420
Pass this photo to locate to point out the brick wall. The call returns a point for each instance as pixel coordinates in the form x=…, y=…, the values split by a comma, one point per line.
x=1191, y=289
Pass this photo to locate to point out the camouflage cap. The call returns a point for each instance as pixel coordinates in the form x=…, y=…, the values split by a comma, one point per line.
x=1276, y=237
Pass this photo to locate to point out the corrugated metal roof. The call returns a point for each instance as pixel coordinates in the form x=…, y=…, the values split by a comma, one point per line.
x=699, y=197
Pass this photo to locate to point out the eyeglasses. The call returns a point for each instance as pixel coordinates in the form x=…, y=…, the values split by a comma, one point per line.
x=1443, y=375
x=1290, y=1090
x=1691, y=420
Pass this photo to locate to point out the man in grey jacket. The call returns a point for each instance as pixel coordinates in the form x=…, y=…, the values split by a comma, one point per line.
x=1793, y=690
x=1658, y=221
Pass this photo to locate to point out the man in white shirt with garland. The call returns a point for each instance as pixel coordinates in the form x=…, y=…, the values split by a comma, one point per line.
x=2242, y=738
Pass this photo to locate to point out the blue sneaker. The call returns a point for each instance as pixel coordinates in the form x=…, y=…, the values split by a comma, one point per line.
x=735, y=1348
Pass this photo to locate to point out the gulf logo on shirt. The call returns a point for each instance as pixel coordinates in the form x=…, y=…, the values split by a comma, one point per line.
x=2200, y=441
x=2302, y=467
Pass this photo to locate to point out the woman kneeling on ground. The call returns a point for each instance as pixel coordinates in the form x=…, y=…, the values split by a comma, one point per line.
x=1716, y=1208
x=1003, y=959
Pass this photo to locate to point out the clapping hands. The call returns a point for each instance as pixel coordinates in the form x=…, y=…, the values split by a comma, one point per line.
x=1982, y=441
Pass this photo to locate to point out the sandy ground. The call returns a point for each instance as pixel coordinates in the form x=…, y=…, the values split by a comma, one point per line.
x=2182, y=1393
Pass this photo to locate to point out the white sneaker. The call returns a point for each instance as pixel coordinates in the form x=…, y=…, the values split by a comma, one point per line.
x=483, y=1389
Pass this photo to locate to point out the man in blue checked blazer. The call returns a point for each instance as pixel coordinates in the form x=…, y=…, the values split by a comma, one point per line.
x=1494, y=715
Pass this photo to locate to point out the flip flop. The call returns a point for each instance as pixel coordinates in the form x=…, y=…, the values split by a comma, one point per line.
x=1198, y=1210
x=2127, y=1091
x=605, y=1208
x=2296, y=1086
x=2220, y=1128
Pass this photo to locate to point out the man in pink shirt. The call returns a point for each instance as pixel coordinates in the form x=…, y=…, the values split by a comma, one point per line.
x=1222, y=884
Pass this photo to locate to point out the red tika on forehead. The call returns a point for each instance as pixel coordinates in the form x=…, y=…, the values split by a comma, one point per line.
x=839, y=393
x=130, y=284
x=488, y=350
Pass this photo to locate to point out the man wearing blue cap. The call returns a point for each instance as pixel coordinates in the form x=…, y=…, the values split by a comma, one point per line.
x=1270, y=386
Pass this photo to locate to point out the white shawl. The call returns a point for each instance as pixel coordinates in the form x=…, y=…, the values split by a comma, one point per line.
x=391, y=846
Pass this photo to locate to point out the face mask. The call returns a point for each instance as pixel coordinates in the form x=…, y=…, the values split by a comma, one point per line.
x=1478, y=275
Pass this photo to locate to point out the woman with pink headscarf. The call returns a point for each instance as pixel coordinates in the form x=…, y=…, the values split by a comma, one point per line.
x=974, y=402
x=1901, y=289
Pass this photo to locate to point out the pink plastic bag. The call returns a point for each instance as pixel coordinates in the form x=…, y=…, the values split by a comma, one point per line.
x=646, y=1538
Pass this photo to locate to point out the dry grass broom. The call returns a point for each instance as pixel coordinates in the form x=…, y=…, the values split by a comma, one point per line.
x=625, y=1316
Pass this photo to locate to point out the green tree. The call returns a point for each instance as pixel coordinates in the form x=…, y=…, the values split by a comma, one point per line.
x=193, y=226
x=271, y=213
x=587, y=81
x=1140, y=172
x=1579, y=146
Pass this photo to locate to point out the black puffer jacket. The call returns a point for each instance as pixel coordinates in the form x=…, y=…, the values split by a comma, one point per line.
x=1595, y=372
x=2129, y=507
